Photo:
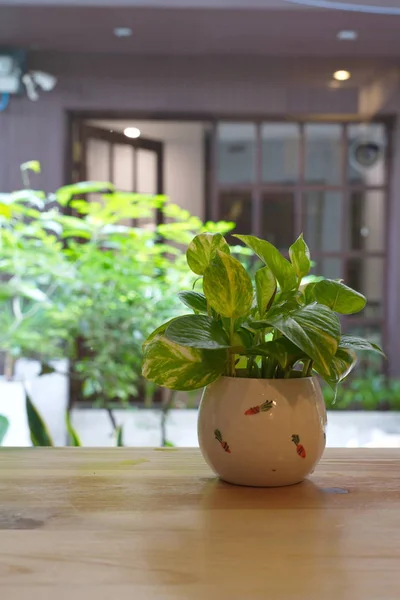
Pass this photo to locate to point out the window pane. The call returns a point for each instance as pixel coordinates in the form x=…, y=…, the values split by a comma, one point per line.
x=330, y=268
x=366, y=276
x=367, y=220
x=322, y=221
x=236, y=153
x=323, y=156
x=123, y=167
x=280, y=152
x=366, y=158
x=277, y=219
x=236, y=207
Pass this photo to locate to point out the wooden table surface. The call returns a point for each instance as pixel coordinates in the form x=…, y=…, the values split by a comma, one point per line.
x=156, y=524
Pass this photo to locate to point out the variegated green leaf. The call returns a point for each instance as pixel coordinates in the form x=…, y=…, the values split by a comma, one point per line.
x=281, y=349
x=179, y=367
x=197, y=331
x=159, y=331
x=194, y=300
x=300, y=257
x=342, y=364
x=202, y=250
x=265, y=289
x=308, y=292
x=227, y=286
x=357, y=343
x=339, y=297
x=282, y=269
x=315, y=329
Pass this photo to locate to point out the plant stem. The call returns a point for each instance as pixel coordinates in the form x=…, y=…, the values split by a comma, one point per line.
x=232, y=355
x=271, y=369
x=305, y=368
x=166, y=407
x=310, y=368
x=264, y=366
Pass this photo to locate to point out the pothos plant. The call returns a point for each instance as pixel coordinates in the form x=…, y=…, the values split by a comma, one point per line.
x=278, y=326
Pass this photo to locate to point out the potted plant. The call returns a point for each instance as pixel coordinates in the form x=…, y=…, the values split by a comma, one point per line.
x=258, y=348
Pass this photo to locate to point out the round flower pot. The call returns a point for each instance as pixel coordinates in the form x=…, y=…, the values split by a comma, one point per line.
x=262, y=432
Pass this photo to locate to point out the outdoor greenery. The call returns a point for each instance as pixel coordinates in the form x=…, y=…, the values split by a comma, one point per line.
x=276, y=327
x=370, y=391
x=79, y=281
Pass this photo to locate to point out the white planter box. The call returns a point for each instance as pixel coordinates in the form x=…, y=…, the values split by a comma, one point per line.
x=49, y=393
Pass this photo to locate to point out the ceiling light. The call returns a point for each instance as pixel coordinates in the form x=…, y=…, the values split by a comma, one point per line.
x=347, y=35
x=122, y=32
x=132, y=132
x=349, y=6
x=342, y=75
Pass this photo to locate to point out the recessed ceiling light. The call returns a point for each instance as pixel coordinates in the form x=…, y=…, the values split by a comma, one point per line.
x=347, y=34
x=342, y=75
x=132, y=132
x=122, y=32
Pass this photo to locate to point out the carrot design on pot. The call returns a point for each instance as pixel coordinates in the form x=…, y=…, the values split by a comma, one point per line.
x=218, y=437
x=254, y=410
x=299, y=447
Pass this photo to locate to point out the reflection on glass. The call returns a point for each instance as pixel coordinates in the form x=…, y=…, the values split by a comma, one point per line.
x=236, y=153
x=323, y=152
x=322, y=220
x=277, y=218
x=280, y=152
x=366, y=276
x=330, y=268
x=236, y=207
x=367, y=220
x=366, y=157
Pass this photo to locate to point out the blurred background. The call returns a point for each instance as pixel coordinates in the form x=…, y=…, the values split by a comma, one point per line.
x=277, y=116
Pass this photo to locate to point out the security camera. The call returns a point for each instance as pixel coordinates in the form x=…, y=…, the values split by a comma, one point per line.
x=38, y=79
x=46, y=81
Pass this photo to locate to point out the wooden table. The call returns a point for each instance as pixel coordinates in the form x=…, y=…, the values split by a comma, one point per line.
x=156, y=524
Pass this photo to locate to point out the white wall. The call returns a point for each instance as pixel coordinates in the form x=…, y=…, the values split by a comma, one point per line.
x=184, y=169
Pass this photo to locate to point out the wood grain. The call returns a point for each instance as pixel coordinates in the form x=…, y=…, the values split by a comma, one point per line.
x=156, y=524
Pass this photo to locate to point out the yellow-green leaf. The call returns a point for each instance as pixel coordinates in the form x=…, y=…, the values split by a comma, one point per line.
x=282, y=269
x=265, y=289
x=227, y=286
x=338, y=297
x=31, y=165
x=300, y=257
x=181, y=368
x=202, y=250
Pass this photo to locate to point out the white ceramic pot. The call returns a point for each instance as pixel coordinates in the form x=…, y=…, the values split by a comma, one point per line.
x=262, y=432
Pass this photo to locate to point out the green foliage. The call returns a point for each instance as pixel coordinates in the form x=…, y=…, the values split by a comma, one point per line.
x=258, y=330
x=40, y=435
x=370, y=392
x=74, y=439
x=89, y=286
x=227, y=286
x=3, y=427
x=119, y=436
